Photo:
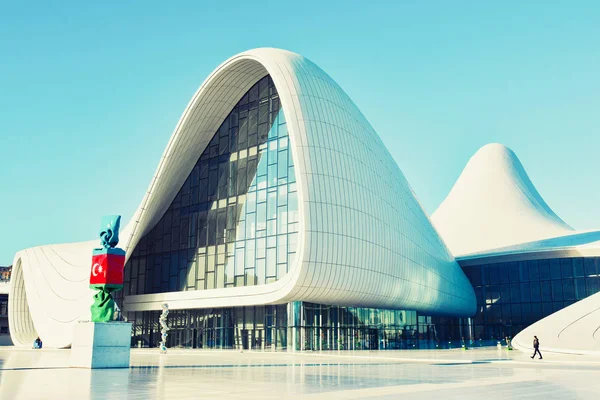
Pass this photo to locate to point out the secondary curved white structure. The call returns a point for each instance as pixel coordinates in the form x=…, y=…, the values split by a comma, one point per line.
x=578, y=243
x=364, y=239
x=49, y=292
x=574, y=329
x=494, y=204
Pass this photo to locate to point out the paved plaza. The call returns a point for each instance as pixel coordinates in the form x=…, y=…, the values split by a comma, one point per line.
x=421, y=374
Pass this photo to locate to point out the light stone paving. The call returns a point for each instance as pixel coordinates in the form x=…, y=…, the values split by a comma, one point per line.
x=224, y=374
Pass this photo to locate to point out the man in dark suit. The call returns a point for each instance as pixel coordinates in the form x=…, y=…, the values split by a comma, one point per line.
x=536, y=346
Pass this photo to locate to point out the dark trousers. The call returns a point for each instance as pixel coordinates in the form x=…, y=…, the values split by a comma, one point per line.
x=537, y=351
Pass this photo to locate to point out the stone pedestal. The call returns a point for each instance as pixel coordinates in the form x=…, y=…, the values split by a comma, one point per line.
x=101, y=345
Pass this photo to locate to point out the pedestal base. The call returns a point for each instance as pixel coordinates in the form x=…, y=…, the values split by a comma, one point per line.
x=101, y=345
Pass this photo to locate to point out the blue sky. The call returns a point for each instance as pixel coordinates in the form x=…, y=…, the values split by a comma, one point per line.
x=90, y=93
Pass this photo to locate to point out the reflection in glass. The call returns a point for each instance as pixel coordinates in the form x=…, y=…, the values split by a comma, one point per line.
x=237, y=204
x=537, y=289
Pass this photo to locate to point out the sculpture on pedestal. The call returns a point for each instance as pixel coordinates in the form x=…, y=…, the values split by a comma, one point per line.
x=96, y=343
x=106, y=275
x=164, y=328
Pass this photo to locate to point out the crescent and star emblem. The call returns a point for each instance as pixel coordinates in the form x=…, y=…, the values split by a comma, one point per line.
x=97, y=267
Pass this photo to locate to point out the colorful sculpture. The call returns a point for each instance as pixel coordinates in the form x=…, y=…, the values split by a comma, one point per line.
x=106, y=275
x=164, y=328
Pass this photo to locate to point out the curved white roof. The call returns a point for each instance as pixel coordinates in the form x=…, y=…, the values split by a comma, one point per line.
x=581, y=243
x=364, y=239
x=494, y=204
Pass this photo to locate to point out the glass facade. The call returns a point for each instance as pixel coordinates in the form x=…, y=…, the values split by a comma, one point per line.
x=254, y=327
x=3, y=305
x=514, y=295
x=3, y=314
x=301, y=325
x=320, y=327
x=510, y=297
x=234, y=222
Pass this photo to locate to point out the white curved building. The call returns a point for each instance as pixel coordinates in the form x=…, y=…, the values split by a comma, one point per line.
x=532, y=273
x=273, y=190
x=494, y=204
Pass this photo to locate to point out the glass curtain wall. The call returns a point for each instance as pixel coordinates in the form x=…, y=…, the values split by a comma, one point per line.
x=234, y=222
x=299, y=325
x=249, y=328
x=514, y=295
x=320, y=327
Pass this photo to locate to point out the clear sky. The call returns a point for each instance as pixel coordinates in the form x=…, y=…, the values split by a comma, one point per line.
x=90, y=93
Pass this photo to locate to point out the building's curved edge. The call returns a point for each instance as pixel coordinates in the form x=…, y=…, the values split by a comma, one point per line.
x=494, y=204
x=574, y=330
x=580, y=242
x=359, y=201
x=22, y=329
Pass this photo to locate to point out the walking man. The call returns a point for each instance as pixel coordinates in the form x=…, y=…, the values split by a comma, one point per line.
x=536, y=346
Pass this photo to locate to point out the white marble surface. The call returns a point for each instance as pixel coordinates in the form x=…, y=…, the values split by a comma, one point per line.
x=101, y=345
x=183, y=374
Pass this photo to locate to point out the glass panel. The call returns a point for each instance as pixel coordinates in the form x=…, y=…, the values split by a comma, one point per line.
x=515, y=293
x=272, y=205
x=526, y=315
x=503, y=272
x=271, y=262
x=536, y=312
x=590, y=266
x=544, y=267
x=536, y=293
x=555, y=269
x=566, y=266
x=547, y=308
x=524, y=271
x=494, y=278
x=525, y=293
x=516, y=313
x=580, y=290
x=557, y=291
x=578, y=267
x=475, y=275
x=534, y=273
x=237, y=193
x=546, y=291
x=592, y=286
x=569, y=289
x=485, y=269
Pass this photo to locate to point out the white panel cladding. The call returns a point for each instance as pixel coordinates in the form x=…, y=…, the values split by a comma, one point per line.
x=494, y=204
x=364, y=240
x=368, y=240
x=50, y=293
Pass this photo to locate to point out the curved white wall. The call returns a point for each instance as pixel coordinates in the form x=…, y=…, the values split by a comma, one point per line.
x=494, y=204
x=574, y=329
x=364, y=238
x=49, y=292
